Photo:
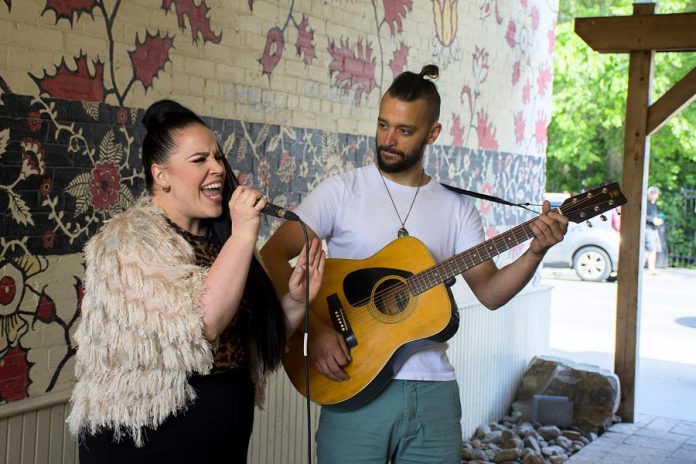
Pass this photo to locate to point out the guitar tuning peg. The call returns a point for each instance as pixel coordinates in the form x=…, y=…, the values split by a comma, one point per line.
x=589, y=224
x=603, y=217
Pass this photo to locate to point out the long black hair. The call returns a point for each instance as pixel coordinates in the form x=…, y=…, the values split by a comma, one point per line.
x=268, y=320
x=162, y=120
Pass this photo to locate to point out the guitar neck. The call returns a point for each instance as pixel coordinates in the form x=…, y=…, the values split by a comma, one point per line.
x=474, y=256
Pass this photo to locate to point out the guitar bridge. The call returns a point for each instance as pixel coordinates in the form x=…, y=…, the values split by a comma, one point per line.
x=340, y=321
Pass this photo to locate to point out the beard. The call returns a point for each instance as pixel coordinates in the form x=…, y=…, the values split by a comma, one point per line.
x=408, y=160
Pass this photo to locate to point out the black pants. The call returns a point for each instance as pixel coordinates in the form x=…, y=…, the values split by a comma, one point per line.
x=214, y=429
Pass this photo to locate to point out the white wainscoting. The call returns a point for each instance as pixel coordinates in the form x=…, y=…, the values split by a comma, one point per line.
x=490, y=352
x=34, y=431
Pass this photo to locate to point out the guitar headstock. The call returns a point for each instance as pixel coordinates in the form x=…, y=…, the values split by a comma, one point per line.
x=589, y=204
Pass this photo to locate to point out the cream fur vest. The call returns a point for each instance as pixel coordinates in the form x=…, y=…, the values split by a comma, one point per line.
x=141, y=334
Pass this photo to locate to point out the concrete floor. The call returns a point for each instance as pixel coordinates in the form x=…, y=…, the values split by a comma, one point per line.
x=650, y=440
x=583, y=319
x=583, y=324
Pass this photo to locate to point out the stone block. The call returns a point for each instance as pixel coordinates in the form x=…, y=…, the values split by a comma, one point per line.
x=594, y=391
x=557, y=410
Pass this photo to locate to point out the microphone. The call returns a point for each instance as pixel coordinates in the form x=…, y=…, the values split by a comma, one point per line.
x=276, y=211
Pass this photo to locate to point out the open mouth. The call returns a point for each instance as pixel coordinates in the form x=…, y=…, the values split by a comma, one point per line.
x=212, y=191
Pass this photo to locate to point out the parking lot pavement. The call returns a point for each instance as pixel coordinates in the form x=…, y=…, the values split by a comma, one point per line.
x=583, y=324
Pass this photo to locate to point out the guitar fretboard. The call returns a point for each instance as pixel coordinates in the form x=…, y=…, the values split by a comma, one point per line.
x=474, y=256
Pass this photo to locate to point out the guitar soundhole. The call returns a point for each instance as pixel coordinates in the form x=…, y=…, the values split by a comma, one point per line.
x=391, y=297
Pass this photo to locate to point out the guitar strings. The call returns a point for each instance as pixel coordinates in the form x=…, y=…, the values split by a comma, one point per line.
x=391, y=293
x=394, y=290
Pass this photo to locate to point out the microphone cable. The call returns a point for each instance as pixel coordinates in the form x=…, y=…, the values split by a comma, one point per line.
x=273, y=210
x=305, y=339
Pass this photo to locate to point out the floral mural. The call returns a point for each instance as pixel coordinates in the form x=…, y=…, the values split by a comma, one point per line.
x=70, y=148
x=148, y=57
x=353, y=66
x=530, y=78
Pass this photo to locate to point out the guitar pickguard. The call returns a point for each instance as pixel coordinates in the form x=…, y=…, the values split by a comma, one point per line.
x=358, y=285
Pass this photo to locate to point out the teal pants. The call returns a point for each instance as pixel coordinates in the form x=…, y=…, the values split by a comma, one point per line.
x=410, y=422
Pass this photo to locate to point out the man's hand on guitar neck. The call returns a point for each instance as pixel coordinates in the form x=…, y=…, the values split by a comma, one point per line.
x=549, y=229
x=495, y=287
x=328, y=350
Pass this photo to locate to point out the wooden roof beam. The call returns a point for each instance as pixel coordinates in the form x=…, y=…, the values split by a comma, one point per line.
x=672, y=102
x=618, y=34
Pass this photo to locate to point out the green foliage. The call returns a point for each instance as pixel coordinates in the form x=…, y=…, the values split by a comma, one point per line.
x=589, y=102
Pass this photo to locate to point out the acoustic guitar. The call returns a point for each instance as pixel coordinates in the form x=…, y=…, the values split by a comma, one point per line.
x=395, y=303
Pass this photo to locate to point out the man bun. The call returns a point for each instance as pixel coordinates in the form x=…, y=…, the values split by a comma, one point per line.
x=431, y=71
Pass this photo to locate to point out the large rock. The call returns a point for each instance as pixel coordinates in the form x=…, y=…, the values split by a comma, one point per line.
x=595, y=392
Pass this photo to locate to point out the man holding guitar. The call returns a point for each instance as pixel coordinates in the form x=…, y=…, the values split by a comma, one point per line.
x=414, y=417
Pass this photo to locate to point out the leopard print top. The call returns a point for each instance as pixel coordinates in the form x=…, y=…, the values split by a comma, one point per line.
x=232, y=349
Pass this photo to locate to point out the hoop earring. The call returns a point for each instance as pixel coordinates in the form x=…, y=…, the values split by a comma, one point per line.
x=167, y=188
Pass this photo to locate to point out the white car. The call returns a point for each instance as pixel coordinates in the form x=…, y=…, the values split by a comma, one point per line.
x=592, y=250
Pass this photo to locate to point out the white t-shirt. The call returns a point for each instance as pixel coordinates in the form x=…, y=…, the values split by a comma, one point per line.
x=355, y=215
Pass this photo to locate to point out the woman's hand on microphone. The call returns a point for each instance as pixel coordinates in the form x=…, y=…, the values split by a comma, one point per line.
x=245, y=212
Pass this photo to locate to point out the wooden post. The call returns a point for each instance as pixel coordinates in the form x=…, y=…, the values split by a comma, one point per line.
x=641, y=35
x=635, y=170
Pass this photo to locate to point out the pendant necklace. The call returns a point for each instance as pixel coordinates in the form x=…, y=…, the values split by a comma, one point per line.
x=402, y=231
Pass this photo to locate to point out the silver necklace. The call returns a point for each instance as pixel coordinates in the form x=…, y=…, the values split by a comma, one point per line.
x=402, y=231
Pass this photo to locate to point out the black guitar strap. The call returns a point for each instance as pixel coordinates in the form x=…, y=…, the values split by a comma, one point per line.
x=483, y=196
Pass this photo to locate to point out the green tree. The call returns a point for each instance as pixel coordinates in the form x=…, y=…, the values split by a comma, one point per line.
x=589, y=103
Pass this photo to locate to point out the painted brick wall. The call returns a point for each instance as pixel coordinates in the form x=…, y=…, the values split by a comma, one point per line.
x=291, y=89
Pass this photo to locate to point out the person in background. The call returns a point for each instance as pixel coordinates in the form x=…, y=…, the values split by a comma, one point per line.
x=416, y=418
x=180, y=323
x=653, y=221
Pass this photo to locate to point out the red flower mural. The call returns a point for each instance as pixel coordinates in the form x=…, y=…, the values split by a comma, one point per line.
x=8, y=290
x=122, y=116
x=34, y=121
x=305, y=37
x=516, y=72
x=511, y=33
x=526, y=91
x=286, y=171
x=353, y=70
x=79, y=84
x=66, y=9
x=263, y=173
x=46, y=309
x=399, y=60
x=479, y=64
x=488, y=7
x=273, y=51
x=485, y=204
x=540, y=132
x=543, y=79
x=394, y=13
x=105, y=185
x=14, y=375
x=46, y=186
x=457, y=132
x=552, y=37
x=519, y=127
x=197, y=16
x=149, y=57
x=486, y=132
x=534, y=15
x=466, y=90
x=47, y=239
